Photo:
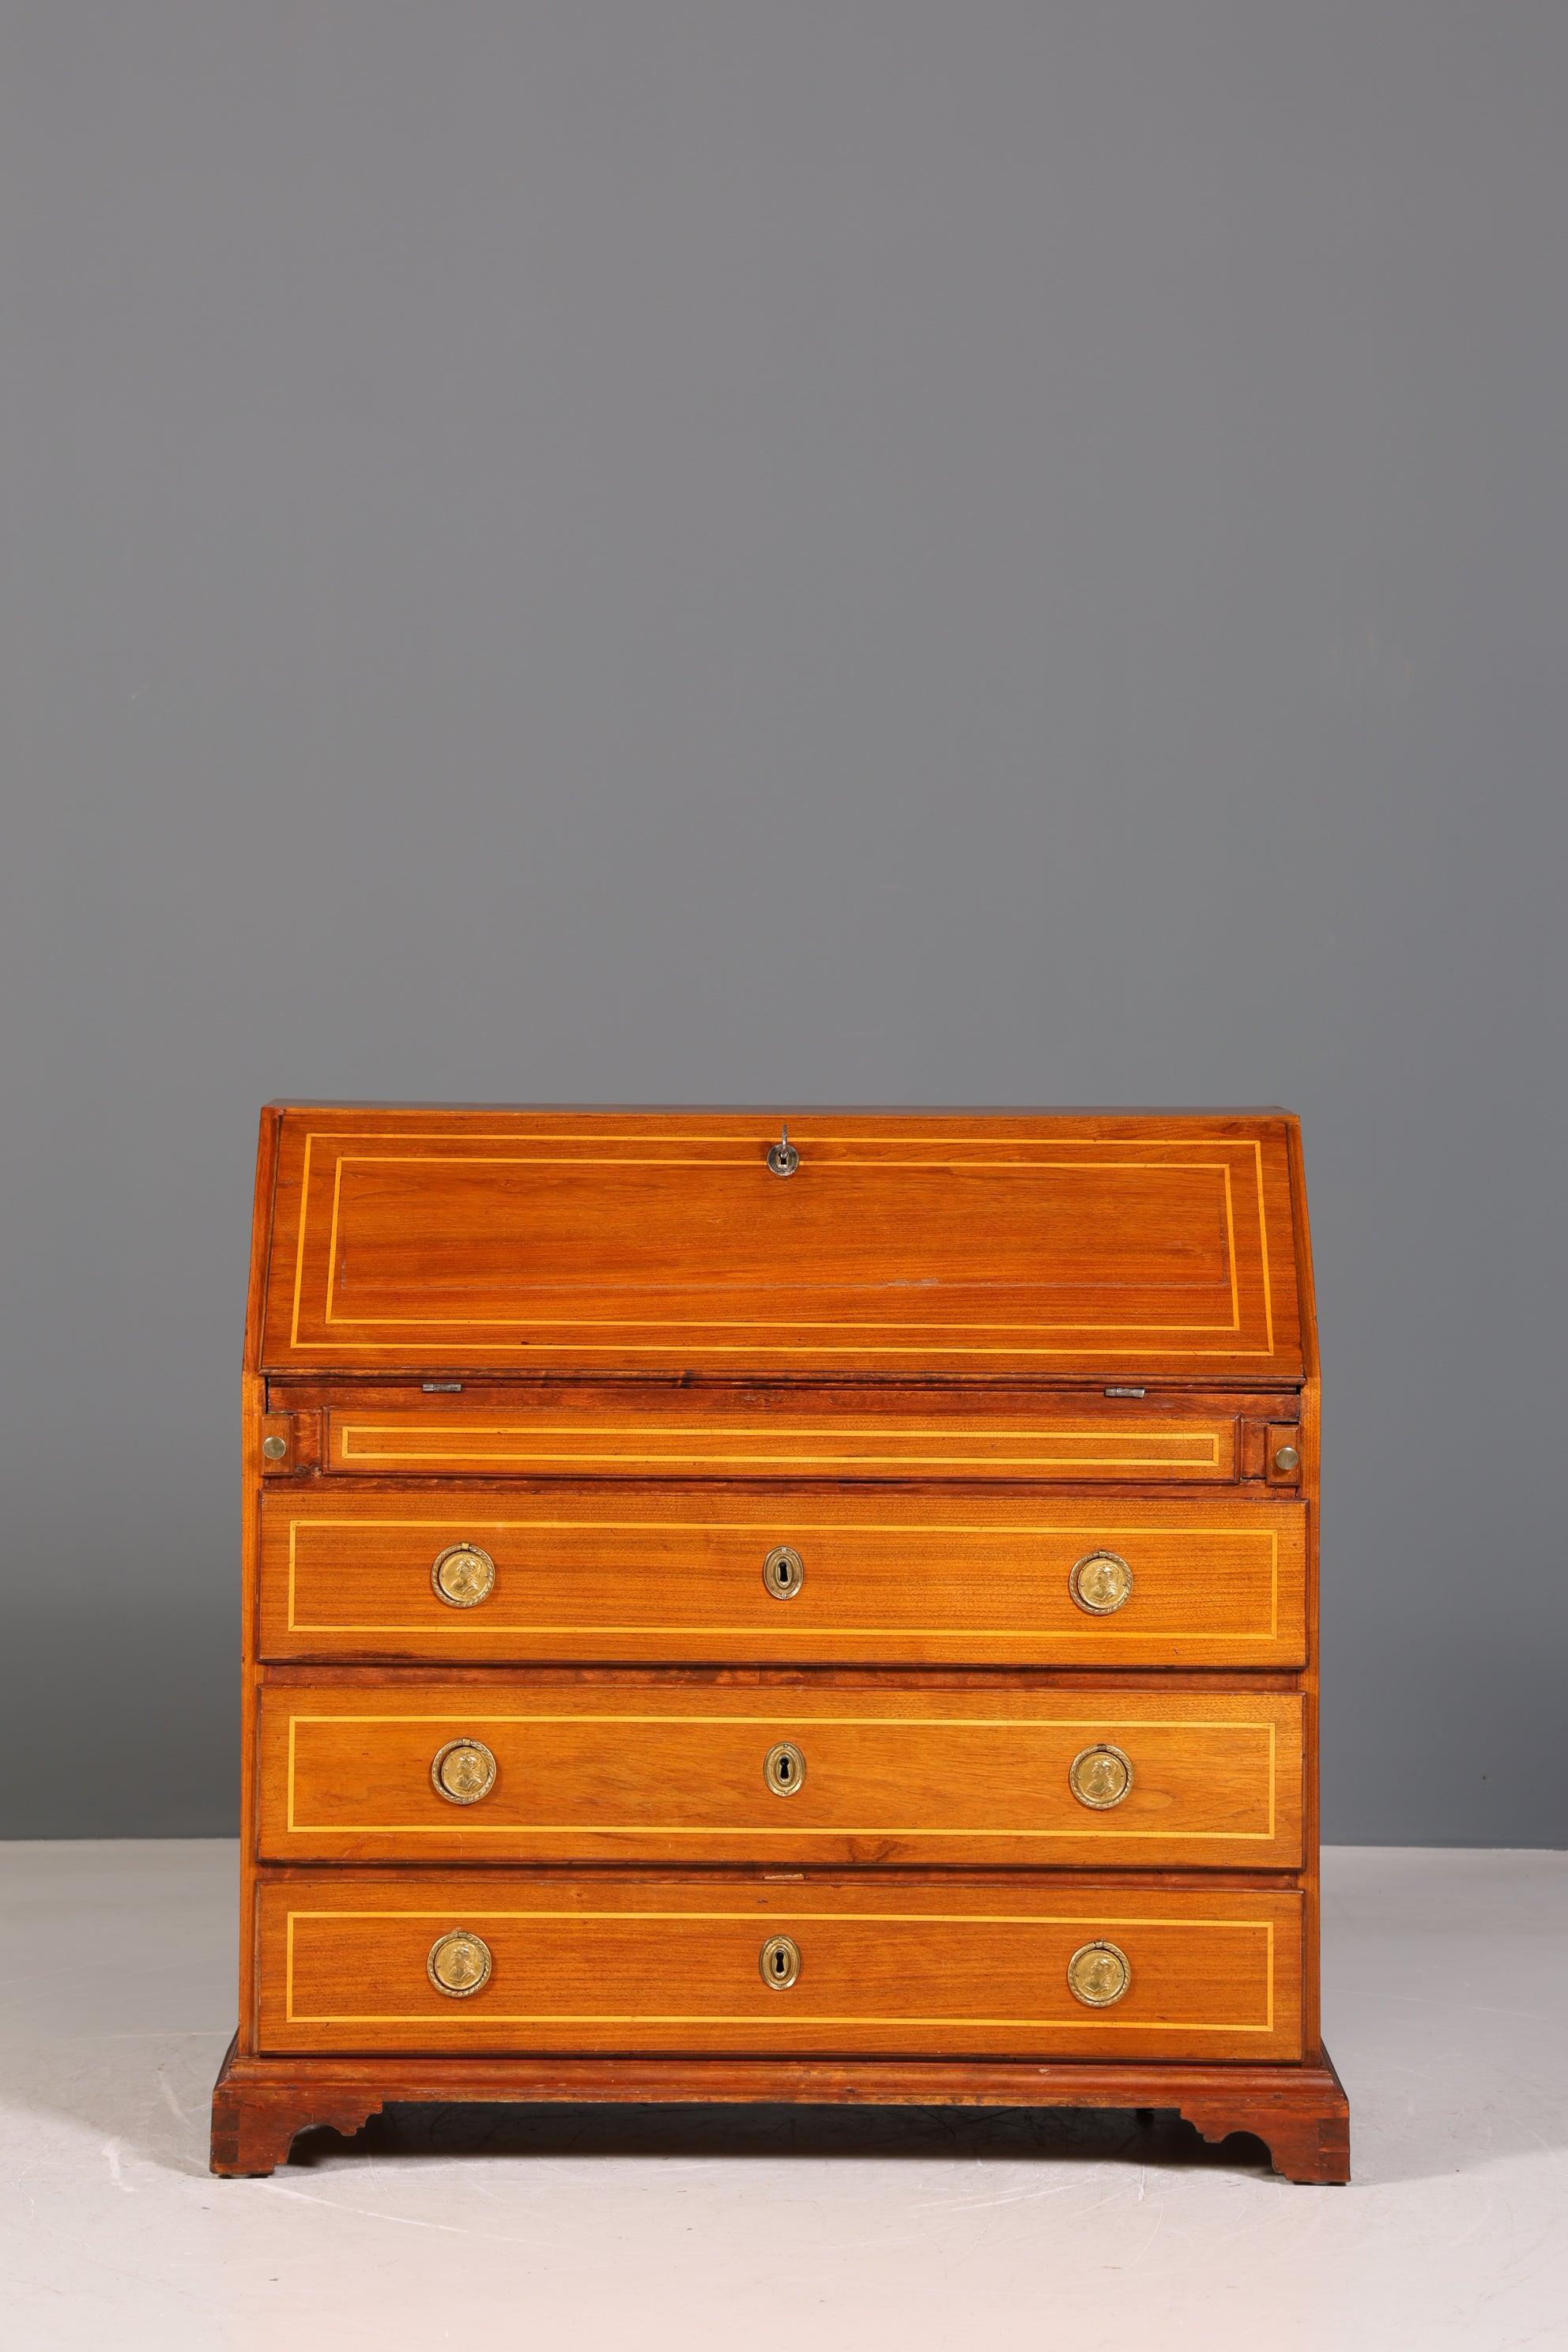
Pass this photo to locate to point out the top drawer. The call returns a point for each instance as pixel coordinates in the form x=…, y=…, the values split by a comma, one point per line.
x=658, y=1575
x=1098, y=1245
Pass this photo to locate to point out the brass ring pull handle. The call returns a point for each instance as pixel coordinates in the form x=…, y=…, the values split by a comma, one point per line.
x=779, y=1962
x=785, y=1769
x=460, y=1964
x=463, y=1771
x=1100, y=1775
x=783, y=1572
x=783, y=1156
x=1099, y=1974
x=462, y=1576
x=1101, y=1581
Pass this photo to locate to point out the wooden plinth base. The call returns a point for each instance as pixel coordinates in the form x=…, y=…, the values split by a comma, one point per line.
x=1299, y=2112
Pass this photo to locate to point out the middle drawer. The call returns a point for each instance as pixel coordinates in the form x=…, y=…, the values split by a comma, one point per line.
x=428, y=1770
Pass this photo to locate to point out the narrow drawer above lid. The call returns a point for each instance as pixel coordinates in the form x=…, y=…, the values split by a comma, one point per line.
x=1085, y=1244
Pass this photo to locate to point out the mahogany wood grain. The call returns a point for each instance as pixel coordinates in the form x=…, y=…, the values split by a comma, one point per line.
x=665, y=1574
x=943, y=1968
x=651, y=1774
x=1300, y=2111
x=933, y=1241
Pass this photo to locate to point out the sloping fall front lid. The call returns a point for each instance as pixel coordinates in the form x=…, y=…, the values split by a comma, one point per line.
x=1073, y=1245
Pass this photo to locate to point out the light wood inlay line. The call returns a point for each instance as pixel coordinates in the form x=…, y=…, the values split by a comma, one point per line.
x=953, y=1156
x=428, y=1445
x=459, y=1630
x=783, y=1720
x=300, y=1252
x=725, y=1323
x=1094, y=1923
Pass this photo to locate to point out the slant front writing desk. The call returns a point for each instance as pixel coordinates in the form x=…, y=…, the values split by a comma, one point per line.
x=747, y=1615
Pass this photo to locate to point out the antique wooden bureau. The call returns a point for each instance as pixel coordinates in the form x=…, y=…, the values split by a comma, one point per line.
x=747, y=1615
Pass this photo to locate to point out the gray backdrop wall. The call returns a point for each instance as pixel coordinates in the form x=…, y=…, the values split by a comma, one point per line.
x=920, y=551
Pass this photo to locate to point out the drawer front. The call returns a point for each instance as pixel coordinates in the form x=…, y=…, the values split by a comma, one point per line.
x=885, y=1967
x=666, y=1576
x=575, y=1772
x=1088, y=1443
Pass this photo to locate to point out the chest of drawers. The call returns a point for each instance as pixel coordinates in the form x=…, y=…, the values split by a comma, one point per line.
x=741, y=1615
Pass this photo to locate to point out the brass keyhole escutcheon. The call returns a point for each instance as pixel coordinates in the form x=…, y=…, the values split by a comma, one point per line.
x=463, y=1771
x=783, y=1156
x=783, y=1572
x=1099, y=1974
x=1101, y=1581
x=779, y=1961
x=460, y=1964
x=1100, y=1775
x=463, y=1575
x=785, y=1771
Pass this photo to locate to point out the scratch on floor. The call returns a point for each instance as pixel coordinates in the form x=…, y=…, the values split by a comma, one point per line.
x=405, y=2220
x=1159, y=2225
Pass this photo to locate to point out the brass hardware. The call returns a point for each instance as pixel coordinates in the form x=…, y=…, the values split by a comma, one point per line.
x=1099, y=1974
x=1127, y=1393
x=1101, y=1581
x=779, y=1961
x=275, y=1448
x=463, y=1771
x=783, y=1572
x=785, y=1769
x=462, y=1576
x=1100, y=1775
x=460, y=1964
x=1287, y=1458
x=783, y=1156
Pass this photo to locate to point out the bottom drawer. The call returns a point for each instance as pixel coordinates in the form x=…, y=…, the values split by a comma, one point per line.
x=417, y=1961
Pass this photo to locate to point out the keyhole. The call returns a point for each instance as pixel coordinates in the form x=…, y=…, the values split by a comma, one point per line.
x=785, y=1769
x=783, y=1571
x=779, y=1962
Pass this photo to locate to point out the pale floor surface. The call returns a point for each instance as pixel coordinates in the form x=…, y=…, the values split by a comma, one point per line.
x=774, y=2230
